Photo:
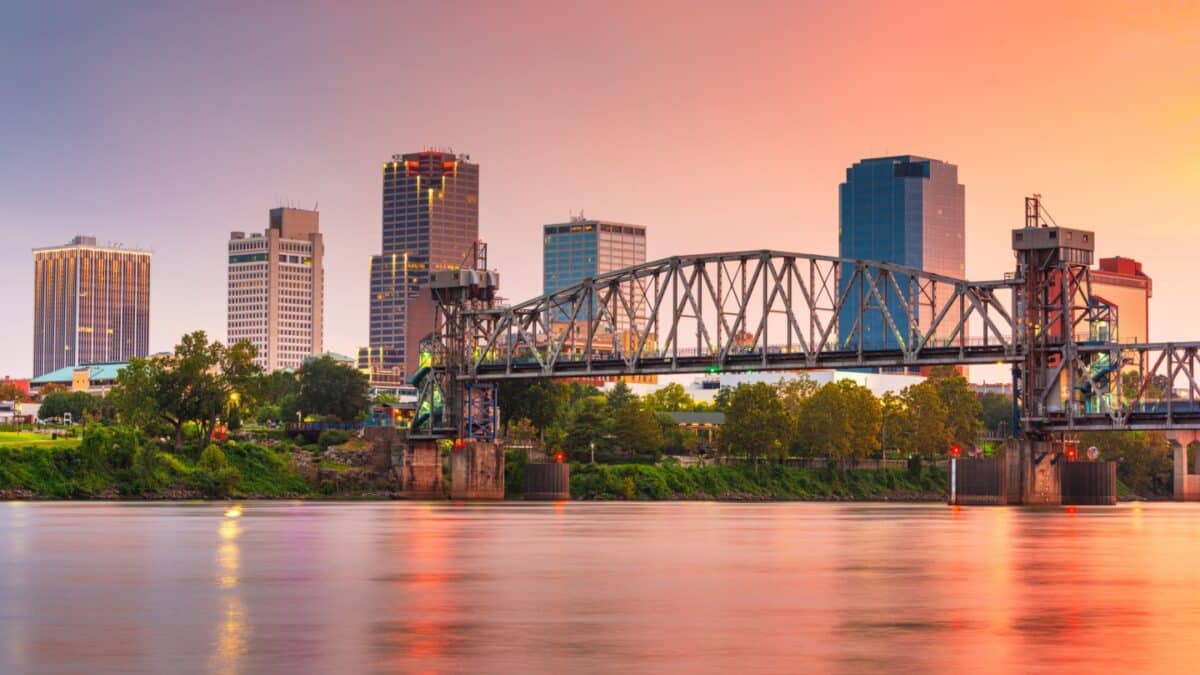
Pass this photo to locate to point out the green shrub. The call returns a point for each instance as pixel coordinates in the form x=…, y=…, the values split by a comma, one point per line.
x=628, y=489
x=213, y=475
x=514, y=474
x=332, y=437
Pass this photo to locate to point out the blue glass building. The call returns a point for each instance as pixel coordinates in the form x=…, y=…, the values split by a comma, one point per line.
x=582, y=248
x=905, y=210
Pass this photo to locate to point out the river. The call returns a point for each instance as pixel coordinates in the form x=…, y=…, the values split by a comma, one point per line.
x=273, y=587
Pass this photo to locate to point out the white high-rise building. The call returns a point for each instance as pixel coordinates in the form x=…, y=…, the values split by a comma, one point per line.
x=277, y=289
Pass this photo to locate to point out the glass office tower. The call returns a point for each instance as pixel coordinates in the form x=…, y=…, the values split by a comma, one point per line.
x=430, y=222
x=905, y=210
x=91, y=304
x=582, y=248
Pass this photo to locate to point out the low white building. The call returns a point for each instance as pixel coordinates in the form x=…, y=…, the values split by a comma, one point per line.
x=11, y=409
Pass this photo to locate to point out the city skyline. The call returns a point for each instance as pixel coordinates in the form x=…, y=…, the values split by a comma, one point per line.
x=1105, y=172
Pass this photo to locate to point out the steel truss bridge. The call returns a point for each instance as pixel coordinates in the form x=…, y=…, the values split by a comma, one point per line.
x=771, y=310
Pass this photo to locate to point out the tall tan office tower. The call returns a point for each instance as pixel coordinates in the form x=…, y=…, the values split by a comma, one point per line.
x=91, y=304
x=277, y=289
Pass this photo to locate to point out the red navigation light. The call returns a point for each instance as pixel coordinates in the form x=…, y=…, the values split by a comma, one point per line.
x=956, y=450
x=1072, y=452
x=559, y=457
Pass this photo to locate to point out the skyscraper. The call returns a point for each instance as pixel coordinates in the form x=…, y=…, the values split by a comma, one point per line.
x=91, y=304
x=430, y=222
x=277, y=289
x=904, y=210
x=582, y=248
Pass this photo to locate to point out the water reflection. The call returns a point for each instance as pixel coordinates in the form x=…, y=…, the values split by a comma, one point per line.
x=231, y=626
x=389, y=587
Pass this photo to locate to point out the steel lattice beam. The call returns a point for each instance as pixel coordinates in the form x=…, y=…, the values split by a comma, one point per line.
x=750, y=310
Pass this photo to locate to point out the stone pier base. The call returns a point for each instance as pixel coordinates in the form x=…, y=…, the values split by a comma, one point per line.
x=1034, y=471
x=1187, y=484
x=477, y=471
x=421, y=470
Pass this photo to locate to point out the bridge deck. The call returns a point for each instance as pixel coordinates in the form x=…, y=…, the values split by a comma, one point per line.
x=742, y=362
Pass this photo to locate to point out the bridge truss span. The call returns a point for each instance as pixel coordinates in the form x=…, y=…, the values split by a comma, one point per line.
x=739, y=311
x=1140, y=386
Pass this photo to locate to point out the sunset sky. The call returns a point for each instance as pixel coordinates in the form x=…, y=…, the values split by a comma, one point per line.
x=719, y=129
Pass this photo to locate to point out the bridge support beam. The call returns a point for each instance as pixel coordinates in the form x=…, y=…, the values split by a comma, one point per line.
x=421, y=470
x=1187, y=484
x=477, y=471
x=1034, y=471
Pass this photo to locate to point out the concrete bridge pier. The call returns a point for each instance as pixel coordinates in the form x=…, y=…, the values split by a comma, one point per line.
x=1187, y=483
x=477, y=471
x=1034, y=471
x=421, y=470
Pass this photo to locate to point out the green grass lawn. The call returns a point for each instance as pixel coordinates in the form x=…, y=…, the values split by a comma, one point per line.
x=16, y=439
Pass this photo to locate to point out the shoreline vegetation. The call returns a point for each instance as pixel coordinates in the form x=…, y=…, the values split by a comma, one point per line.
x=205, y=422
x=110, y=463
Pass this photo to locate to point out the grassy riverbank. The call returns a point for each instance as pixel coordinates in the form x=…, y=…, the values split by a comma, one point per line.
x=112, y=463
x=746, y=483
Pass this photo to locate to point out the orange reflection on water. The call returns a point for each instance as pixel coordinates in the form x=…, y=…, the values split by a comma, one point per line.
x=230, y=646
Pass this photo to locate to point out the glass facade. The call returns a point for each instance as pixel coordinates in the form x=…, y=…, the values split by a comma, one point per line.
x=905, y=210
x=430, y=222
x=574, y=251
x=91, y=305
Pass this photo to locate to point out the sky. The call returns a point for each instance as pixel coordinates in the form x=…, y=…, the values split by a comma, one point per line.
x=166, y=125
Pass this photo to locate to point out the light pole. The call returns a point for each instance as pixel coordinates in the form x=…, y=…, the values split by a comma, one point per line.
x=592, y=447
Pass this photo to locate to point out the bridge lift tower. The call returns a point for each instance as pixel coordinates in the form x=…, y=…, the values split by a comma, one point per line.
x=1055, y=309
x=464, y=413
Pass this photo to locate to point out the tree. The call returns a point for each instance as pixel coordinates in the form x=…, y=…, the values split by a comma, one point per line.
x=723, y=399
x=330, y=388
x=755, y=423
x=1145, y=460
x=671, y=398
x=9, y=391
x=50, y=388
x=77, y=403
x=841, y=420
x=893, y=421
x=995, y=413
x=636, y=430
x=542, y=402
x=792, y=392
x=1156, y=386
x=620, y=394
x=275, y=386
x=923, y=430
x=193, y=384
x=590, y=422
x=962, y=405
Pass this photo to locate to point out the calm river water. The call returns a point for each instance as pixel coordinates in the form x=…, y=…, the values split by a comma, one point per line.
x=593, y=587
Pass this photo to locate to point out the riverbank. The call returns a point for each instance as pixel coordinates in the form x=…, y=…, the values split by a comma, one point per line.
x=111, y=466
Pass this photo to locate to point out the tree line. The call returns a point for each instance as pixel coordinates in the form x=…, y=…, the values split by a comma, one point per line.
x=202, y=383
x=795, y=417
